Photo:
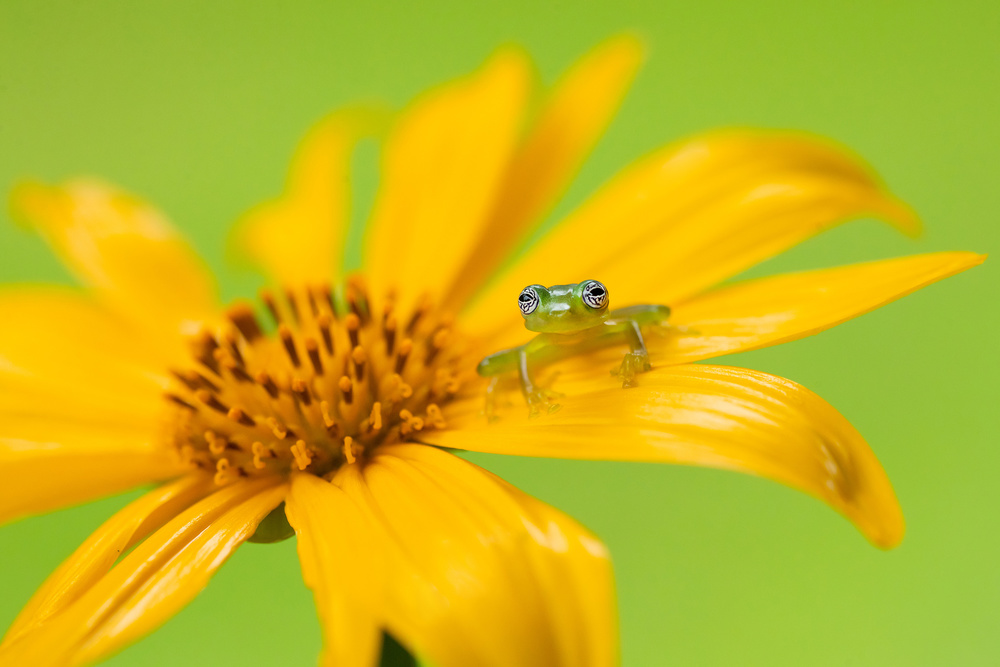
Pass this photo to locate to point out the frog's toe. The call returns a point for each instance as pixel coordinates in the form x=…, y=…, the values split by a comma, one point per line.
x=633, y=364
x=542, y=401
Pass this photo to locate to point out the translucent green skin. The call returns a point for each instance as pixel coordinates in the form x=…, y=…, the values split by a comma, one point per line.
x=567, y=327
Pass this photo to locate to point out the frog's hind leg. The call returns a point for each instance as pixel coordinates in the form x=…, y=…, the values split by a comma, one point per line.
x=637, y=359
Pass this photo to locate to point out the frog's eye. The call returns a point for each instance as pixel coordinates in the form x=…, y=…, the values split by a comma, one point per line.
x=527, y=301
x=595, y=294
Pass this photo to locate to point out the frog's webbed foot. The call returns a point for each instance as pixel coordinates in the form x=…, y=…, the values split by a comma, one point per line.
x=635, y=362
x=542, y=401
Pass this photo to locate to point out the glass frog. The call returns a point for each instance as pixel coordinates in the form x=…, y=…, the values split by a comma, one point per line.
x=571, y=320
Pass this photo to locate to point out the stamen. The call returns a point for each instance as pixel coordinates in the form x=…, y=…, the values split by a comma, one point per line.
x=438, y=342
x=312, y=349
x=303, y=455
x=327, y=293
x=292, y=305
x=312, y=302
x=259, y=451
x=375, y=418
x=207, y=345
x=324, y=321
x=280, y=430
x=237, y=371
x=288, y=341
x=405, y=347
x=390, y=334
x=352, y=303
x=233, y=349
x=240, y=417
x=347, y=389
x=186, y=379
x=434, y=416
x=267, y=296
x=410, y=422
x=243, y=317
x=197, y=377
x=353, y=323
x=264, y=380
x=359, y=357
x=222, y=472
x=349, y=449
x=411, y=326
x=324, y=408
x=301, y=391
x=211, y=401
x=179, y=401
x=394, y=389
x=216, y=445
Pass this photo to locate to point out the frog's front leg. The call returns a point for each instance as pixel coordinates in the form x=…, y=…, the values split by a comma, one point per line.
x=636, y=360
x=539, y=399
x=628, y=321
x=518, y=359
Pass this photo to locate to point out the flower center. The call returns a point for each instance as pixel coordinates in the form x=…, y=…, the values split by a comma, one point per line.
x=332, y=381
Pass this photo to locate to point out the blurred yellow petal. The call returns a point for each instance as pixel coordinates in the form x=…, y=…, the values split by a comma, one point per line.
x=478, y=573
x=341, y=563
x=298, y=238
x=691, y=215
x=442, y=169
x=713, y=416
x=101, y=550
x=62, y=347
x=47, y=464
x=769, y=311
x=152, y=583
x=570, y=122
x=125, y=250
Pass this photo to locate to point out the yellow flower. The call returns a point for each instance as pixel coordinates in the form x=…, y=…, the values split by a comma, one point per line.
x=343, y=409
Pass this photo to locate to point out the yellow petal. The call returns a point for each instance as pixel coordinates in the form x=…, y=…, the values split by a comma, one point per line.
x=342, y=565
x=152, y=583
x=712, y=416
x=441, y=171
x=63, y=348
x=691, y=215
x=98, y=553
x=569, y=124
x=298, y=238
x=478, y=573
x=46, y=464
x=758, y=313
x=125, y=250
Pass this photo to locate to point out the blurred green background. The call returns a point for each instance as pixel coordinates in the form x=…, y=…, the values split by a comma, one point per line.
x=197, y=105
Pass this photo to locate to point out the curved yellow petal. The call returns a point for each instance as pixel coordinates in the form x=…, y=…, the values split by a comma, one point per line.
x=101, y=550
x=342, y=564
x=712, y=416
x=768, y=311
x=568, y=125
x=298, y=238
x=152, y=583
x=61, y=345
x=442, y=167
x=689, y=216
x=47, y=464
x=475, y=572
x=125, y=250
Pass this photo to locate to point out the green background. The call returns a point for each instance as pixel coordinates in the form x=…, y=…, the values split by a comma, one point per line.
x=197, y=105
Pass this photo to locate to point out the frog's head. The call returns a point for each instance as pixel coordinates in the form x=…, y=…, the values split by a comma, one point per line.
x=563, y=308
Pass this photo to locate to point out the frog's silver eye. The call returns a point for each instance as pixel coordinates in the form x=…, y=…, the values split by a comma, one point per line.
x=527, y=301
x=595, y=294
